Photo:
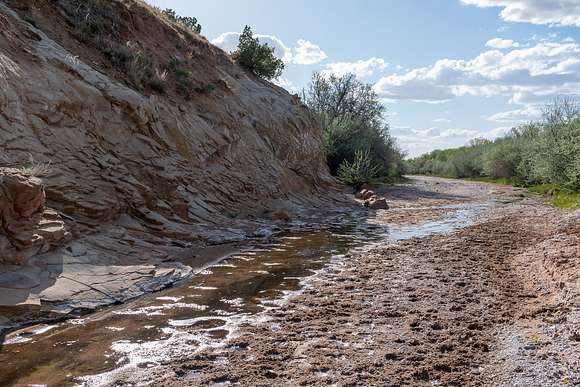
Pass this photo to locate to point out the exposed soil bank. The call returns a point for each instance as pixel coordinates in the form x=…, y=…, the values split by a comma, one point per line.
x=132, y=178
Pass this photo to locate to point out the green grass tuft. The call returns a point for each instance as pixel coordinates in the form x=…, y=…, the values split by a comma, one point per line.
x=561, y=198
x=567, y=200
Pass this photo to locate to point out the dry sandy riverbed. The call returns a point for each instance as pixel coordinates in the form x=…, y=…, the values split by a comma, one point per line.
x=473, y=284
x=495, y=303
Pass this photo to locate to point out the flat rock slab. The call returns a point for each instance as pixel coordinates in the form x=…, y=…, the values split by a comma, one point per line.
x=66, y=287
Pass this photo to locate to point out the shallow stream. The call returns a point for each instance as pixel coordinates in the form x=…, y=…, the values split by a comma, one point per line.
x=205, y=311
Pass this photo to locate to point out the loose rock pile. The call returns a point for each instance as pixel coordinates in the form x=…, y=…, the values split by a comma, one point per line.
x=372, y=200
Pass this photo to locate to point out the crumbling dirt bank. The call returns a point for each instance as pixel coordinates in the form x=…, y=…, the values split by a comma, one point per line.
x=495, y=303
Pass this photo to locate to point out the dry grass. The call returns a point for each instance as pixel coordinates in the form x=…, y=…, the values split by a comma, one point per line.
x=36, y=170
x=158, y=12
x=30, y=168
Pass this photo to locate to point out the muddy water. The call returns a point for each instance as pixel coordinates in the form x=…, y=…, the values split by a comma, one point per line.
x=203, y=312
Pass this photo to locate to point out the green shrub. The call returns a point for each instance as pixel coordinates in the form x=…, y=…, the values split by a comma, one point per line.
x=204, y=88
x=158, y=84
x=186, y=21
x=92, y=19
x=351, y=116
x=98, y=22
x=360, y=171
x=182, y=77
x=256, y=57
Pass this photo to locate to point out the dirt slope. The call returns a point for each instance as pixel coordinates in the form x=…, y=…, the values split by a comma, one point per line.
x=156, y=140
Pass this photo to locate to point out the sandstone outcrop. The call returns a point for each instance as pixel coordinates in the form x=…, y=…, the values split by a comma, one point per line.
x=142, y=175
x=27, y=226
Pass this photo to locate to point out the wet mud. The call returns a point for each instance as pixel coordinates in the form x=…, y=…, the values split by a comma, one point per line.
x=427, y=293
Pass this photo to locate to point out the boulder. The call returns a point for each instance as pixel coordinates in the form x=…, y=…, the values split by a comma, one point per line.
x=360, y=193
x=367, y=195
x=377, y=203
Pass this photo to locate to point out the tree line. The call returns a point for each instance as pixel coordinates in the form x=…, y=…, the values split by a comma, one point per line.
x=546, y=151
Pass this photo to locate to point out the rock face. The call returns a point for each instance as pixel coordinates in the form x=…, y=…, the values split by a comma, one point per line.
x=26, y=226
x=141, y=176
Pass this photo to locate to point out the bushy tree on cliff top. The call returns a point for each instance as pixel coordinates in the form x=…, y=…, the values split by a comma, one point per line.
x=256, y=57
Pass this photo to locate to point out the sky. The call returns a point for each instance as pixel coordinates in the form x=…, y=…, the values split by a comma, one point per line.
x=447, y=71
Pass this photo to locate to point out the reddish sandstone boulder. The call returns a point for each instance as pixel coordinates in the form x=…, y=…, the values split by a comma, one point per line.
x=367, y=195
x=378, y=203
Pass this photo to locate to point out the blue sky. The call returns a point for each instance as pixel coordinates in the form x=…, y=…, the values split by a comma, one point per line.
x=447, y=70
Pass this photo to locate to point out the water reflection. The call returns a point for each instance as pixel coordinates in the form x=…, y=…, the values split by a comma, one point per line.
x=177, y=322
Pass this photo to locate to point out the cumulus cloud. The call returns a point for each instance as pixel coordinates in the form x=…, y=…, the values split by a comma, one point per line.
x=550, y=12
x=419, y=141
x=527, y=113
x=229, y=42
x=497, y=132
x=539, y=73
x=361, y=68
x=500, y=43
x=286, y=84
x=436, y=133
x=304, y=53
x=308, y=53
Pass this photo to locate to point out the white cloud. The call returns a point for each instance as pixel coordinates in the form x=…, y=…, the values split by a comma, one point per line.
x=286, y=84
x=550, y=12
x=430, y=132
x=308, y=53
x=497, y=132
x=527, y=113
x=526, y=75
x=361, y=68
x=459, y=133
x=442, y=120
x=436, y=133
x=304, y=53
x=500, y=43
x=419, y=141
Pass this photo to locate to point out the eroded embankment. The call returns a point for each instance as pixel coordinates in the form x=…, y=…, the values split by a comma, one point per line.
x=134, y=177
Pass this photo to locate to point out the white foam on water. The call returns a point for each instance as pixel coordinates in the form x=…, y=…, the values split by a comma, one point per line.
x=157, y=310
x=192, y=321
x=28, y=335
x=166, y=298
x=116, y=329
x=203, y=287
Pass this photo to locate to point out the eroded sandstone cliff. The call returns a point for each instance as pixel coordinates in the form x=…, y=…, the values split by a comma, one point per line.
x=141, y=170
